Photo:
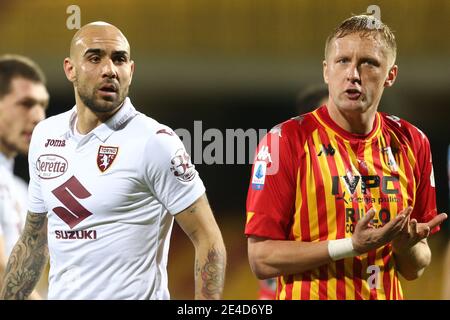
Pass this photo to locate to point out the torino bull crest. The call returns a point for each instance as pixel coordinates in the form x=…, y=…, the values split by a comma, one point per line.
x=106, y=156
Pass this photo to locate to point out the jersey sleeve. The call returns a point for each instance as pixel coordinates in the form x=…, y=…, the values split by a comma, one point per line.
x=36, y=202
x=271, y=193
x=170, y=173
x=425, y=205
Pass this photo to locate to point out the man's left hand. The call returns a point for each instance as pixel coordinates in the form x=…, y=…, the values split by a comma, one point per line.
x=413, y=232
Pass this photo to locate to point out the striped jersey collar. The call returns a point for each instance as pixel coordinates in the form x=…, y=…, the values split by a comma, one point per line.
x=322, y=115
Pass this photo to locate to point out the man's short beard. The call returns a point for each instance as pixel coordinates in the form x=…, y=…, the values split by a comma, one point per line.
x=89, y=101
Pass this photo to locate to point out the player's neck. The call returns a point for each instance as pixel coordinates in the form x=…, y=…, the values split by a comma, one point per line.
x=87, y=120
x=9, y=153
x=352, y=121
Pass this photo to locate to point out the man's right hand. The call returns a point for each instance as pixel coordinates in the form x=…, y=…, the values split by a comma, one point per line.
x=366, y=237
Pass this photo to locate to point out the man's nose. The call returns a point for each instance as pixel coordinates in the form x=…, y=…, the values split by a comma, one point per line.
x=109, y=69
x=353, y=74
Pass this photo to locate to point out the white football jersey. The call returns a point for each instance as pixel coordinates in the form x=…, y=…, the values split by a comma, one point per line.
x=13, y=196
x=110, y=198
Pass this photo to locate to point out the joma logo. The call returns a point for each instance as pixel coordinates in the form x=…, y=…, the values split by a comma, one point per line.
x=55, y=143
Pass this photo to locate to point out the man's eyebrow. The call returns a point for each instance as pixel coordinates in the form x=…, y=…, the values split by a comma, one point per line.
x=342, y=55
x=94, y=51
x=30, y=101
x=370, y=58
x=120, y=53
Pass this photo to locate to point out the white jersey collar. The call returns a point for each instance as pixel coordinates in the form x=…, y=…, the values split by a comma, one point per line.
x=103, y=131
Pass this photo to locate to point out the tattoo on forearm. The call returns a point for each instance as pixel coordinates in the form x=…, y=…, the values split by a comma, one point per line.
x=212, y=274
x=27, y=259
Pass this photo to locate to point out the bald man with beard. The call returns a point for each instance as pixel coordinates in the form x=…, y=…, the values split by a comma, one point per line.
x=106, y=183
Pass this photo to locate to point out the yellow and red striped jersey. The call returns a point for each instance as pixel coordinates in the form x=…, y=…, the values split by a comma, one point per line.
x=312, y=181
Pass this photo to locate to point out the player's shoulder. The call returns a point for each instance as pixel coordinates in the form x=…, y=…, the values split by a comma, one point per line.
x=152, y=127
x=54, y=125
x=403, y=128
x=161, y=143
x=294, y=127
x=154, y=132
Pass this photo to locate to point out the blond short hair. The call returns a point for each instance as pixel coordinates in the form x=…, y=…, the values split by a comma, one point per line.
x=366, y=25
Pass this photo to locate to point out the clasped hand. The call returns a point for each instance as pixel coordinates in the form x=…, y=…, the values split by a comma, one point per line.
x=403, y=231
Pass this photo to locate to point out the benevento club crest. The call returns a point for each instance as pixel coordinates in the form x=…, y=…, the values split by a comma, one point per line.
x=106, y=156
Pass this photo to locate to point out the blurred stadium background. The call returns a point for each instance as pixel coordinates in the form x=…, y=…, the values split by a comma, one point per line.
x=239, y=64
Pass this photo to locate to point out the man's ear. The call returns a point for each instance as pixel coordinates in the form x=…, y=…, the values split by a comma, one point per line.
x=132, y=71
x=392, y=75
x=69, y=70
x=325, y=67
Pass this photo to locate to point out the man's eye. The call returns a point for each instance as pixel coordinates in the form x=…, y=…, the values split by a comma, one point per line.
x=94, y=59
x=28, y=105
x=371, y=63
x=120, y=60
x=343, y=60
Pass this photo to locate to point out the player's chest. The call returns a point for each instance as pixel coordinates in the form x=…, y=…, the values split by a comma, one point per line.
x=346, y=168
x=100, y=174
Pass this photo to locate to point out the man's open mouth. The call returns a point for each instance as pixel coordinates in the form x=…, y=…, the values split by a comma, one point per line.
x=108, y=88
x=353, y=94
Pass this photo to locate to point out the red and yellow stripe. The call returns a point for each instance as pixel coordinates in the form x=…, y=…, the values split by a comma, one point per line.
x=315, y=204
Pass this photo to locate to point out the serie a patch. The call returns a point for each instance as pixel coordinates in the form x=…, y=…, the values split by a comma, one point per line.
x=259, y=175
